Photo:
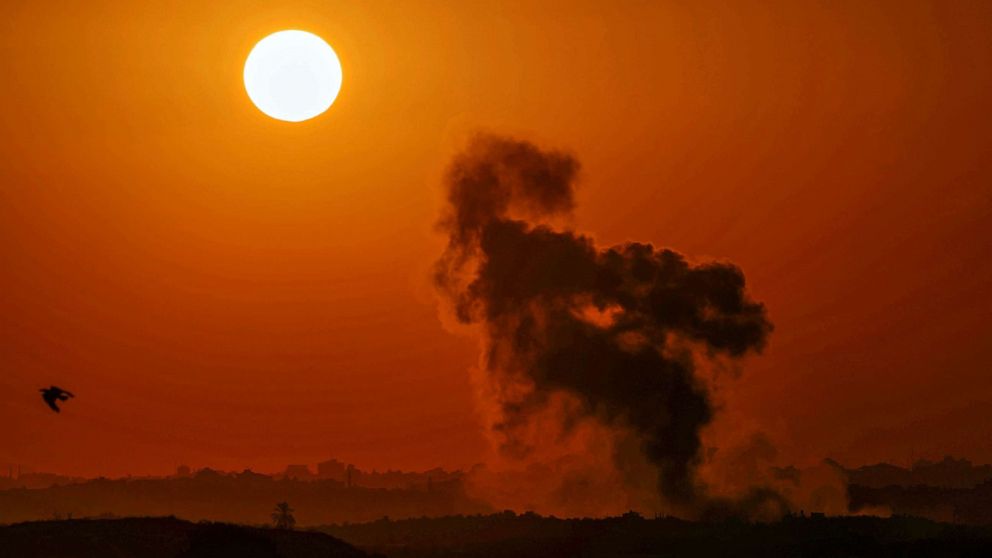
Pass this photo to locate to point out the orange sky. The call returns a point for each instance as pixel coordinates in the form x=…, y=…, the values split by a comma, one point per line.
x=223, y=289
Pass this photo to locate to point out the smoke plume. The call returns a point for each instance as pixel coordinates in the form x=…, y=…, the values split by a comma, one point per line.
x=610, y=336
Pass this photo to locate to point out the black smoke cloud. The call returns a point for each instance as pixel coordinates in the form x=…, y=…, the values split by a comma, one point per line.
x=617, y=330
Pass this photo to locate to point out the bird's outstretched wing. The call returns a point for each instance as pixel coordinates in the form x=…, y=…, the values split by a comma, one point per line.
x=50, y=398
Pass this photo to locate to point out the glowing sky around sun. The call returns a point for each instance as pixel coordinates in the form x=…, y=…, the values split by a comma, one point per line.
x=224, y=289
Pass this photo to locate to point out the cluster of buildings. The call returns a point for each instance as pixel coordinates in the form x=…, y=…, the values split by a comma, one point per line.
x=350, y=475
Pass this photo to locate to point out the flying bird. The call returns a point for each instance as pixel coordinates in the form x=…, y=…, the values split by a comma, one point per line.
x=53, y=394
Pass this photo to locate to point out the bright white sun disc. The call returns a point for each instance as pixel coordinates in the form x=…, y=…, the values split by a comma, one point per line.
x=292, y=75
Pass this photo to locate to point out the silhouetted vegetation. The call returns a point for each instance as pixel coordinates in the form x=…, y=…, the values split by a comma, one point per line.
x=282, y=517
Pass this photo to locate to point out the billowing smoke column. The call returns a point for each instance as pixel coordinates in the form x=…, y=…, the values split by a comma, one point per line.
x=616, y=330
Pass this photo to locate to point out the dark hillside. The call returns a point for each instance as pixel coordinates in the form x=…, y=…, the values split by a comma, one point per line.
x=163, y=538
x=534, y=536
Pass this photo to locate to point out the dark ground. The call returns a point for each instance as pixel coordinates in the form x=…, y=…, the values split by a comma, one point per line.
x=163, y=537
x=503, y=535
x=530, y=535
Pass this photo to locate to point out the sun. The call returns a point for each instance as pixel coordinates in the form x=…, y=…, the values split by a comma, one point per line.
x=292, y=75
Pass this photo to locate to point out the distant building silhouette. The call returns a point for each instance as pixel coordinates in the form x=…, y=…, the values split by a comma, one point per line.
x=332, y=470
x=298, y=472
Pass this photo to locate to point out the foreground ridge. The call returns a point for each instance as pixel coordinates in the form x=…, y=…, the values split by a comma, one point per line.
x=164, y=537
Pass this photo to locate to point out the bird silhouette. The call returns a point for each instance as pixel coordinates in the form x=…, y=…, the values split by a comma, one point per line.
x=53, y=394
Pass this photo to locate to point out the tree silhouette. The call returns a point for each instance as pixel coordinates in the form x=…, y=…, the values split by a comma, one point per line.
x=282, y=517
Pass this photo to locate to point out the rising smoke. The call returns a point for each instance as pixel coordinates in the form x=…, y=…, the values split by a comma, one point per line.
x=617, y=334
